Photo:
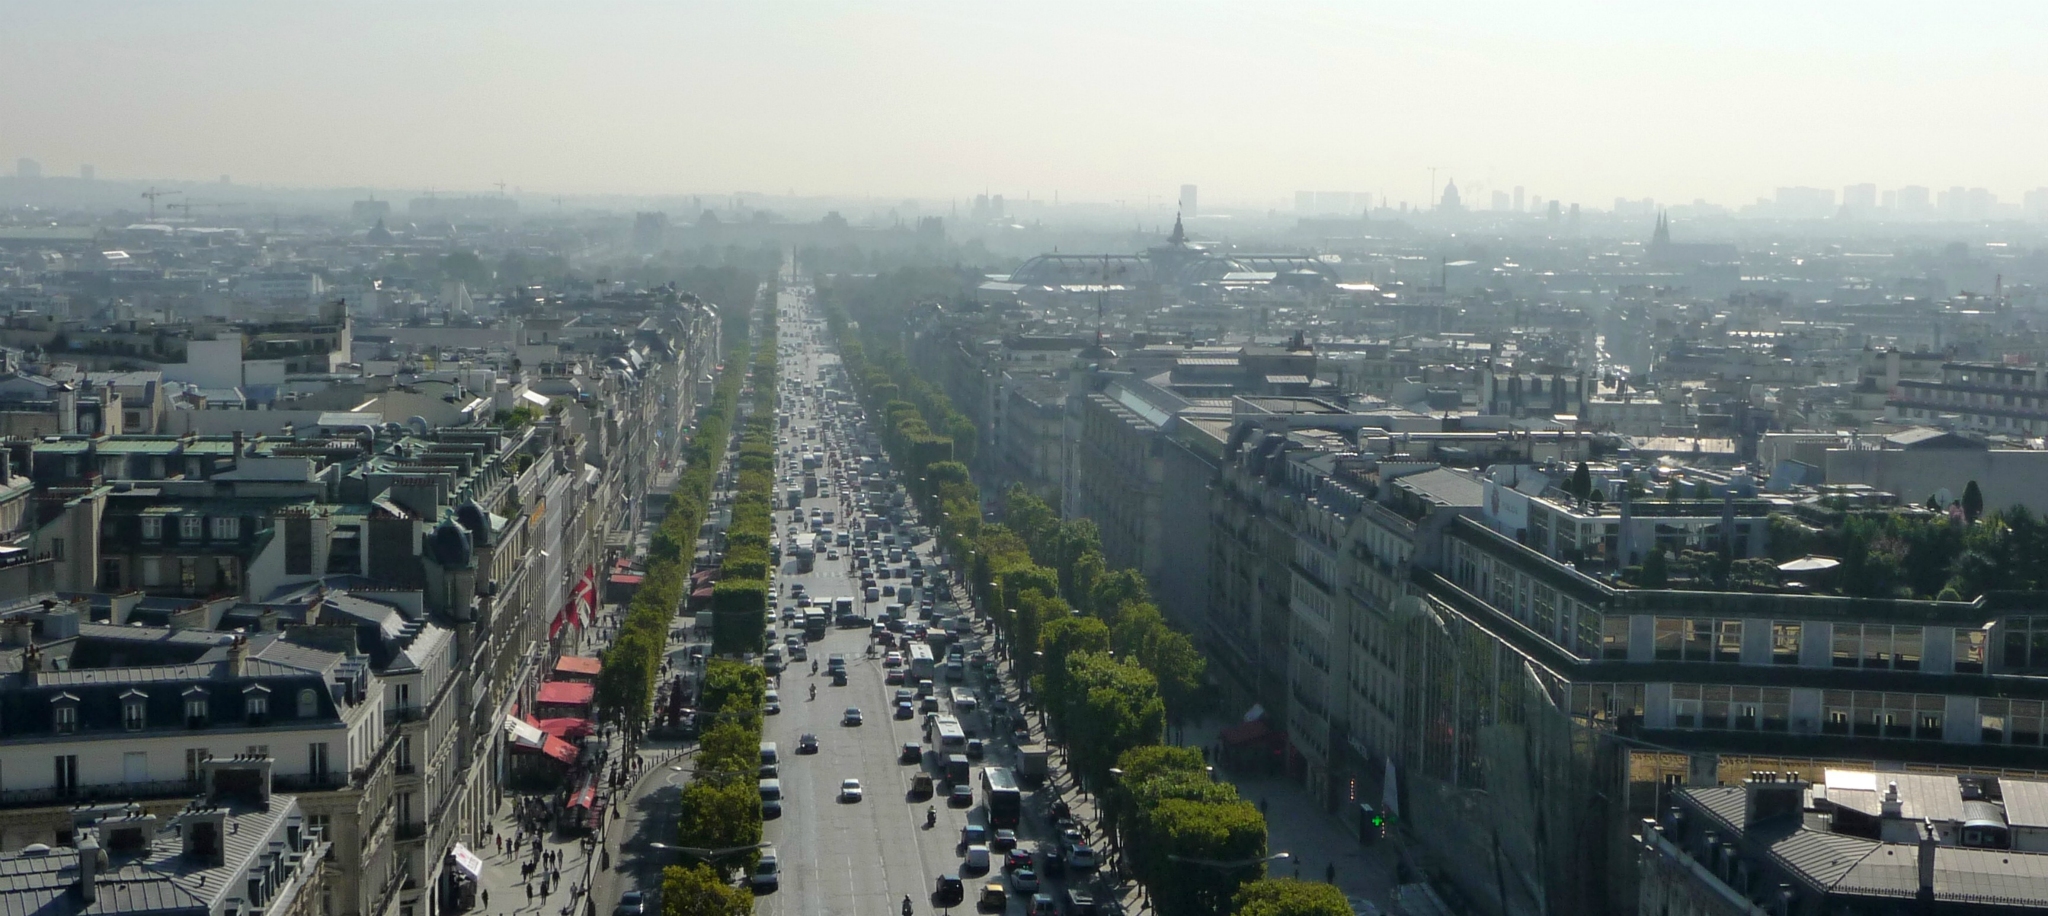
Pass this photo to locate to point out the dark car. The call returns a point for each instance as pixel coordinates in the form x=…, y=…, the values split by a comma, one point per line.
x=949, y=891
x=962, y=796
x=912, y=753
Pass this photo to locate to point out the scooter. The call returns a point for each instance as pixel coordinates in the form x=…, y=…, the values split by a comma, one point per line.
x=931, y=817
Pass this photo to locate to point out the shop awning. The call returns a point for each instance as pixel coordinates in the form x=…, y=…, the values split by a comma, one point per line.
x=566, y=693
x=567, y=728
x=577, y=664
x=702, y=594
x=584, y=798
x=559, y=749
x=467, y=861
x=523, y=734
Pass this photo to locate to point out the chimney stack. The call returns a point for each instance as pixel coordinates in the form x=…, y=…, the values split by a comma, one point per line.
x=1930, y=842
x=241, y=444
x=89, y=864
x=1893, y=806
x=238, y=655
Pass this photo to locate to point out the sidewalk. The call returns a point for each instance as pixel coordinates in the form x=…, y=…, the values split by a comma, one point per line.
x=1317, y=840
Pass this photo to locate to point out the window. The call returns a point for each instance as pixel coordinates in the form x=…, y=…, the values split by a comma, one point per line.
x=309, y=704
x=190, y=527
x=1728, y=641
x=226, y=527
x=2009, y=721
x=2026, y=642
x=256, y=700
x=1785, y=642
x=194, y=756
x=152, y=528
x=196, y=712
x=67, y=716
x=1685, y=705
x=1670, y=635
x=317, y=765
x=1878, y=645
x=1970, y=646
x=57, y=549
x=67, y=775
x=135, y=710
x=1868, y=714
x=1614, y=637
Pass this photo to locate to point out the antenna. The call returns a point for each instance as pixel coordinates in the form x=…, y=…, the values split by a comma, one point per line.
x=500, y=185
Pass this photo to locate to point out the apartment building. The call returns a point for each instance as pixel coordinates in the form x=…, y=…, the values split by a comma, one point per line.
x=1989, y=397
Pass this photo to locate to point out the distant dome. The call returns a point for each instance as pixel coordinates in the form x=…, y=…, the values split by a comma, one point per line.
x=449, y=546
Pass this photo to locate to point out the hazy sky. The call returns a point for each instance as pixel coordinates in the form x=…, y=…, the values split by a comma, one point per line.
x=1103, y=100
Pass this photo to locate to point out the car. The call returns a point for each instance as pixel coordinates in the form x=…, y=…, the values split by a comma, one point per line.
x=912, y=753
x=849, y=790
x=893, y=676
x=808, y=744
x=770, y=771
x=767, y=874
x=949, y=891
x=770, y=809
x=1043, y=905
x=771, y=703
x=1081, y=857
x=1005, y=840
x=631, y=903
x=904, y=710
x=962, y=796
x=994, y=898
x=831, y=554
x=975, y=749
x=892, y=660
x=852, y=716
x=1023, y=880
x=789, y=615
x=973, y=833
x=1017, y=858
x=977, y=858
x=929, y=704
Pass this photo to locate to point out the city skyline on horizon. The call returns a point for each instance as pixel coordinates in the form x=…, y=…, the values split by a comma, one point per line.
x=1578, y=103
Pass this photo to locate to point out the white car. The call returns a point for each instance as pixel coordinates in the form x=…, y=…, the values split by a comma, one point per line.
x=849, y=790
x=977, y=859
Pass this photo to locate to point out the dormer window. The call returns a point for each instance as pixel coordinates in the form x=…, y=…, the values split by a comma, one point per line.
x=309, y=704
x=197, y=709
x=226, y=527
x=135, y=710
x=152, y=528
x=190, y=527
x=256, y=701
x=65, y=714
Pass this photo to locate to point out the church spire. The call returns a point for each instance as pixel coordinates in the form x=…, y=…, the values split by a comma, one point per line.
x=1662, y=236
x=1179, y=237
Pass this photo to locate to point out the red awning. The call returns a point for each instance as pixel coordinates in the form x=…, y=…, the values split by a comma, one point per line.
x=567, y=728
x=1245, y=733
x=566, y=693
x=585, y=798
x=627, y=579
x=704, y=575
x=577, y=664
x=704, y=593
x=559, y=749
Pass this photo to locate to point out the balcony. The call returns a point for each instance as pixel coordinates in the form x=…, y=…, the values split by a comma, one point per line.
x=411, y=712
x=406, y=769
x=410, y=830
x=99, y=794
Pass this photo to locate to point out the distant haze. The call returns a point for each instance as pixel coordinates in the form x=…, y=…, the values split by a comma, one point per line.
x=1100, y=101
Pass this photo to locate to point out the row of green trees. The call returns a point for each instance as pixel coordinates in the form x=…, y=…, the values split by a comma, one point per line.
x=740, y=600
x=1096, y=650
x=720, y=809
x=625, y=686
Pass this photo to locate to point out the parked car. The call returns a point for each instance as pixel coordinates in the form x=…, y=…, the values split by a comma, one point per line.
x=631, y=903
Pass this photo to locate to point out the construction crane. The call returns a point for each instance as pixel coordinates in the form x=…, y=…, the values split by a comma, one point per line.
x=153, y=194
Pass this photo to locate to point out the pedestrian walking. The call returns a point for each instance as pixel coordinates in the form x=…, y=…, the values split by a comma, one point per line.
x=529, y=892
x=487, y=898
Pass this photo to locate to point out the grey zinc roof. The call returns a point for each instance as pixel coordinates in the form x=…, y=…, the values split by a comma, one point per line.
x=159, y=882
x=2026, y=802
x=1446, y=486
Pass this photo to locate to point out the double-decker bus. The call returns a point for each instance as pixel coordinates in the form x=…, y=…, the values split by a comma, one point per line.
x=1005, y=801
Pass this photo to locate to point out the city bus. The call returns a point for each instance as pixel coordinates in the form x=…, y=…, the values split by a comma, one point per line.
x=1005, y=801
x=952, y=738
x=922, y=665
